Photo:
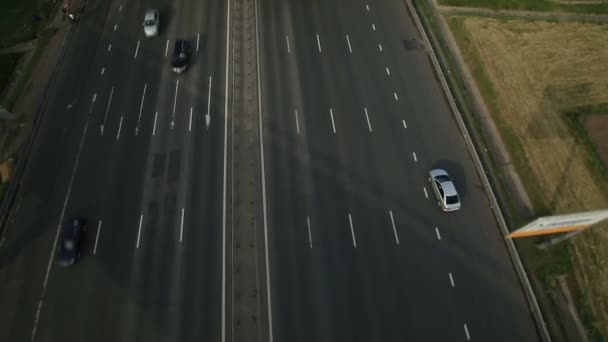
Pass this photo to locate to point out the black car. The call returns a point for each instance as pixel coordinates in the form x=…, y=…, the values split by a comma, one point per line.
x=71, y=239
x=181, y=56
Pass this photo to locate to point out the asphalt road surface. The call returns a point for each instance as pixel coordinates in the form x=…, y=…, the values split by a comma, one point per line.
x=353, y=119
x=359, y=250
x=125, y=144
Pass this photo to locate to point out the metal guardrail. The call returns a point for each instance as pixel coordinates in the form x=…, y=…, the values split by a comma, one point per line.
x=13, y=187
x=531, y=298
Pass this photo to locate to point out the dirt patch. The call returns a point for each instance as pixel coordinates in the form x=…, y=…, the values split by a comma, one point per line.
x=531, y=73
x=597, y=130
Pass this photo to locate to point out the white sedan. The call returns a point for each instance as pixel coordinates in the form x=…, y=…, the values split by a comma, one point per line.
x=444, y=189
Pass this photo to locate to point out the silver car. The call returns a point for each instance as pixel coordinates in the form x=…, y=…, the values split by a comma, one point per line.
x=444, y=189
x=151, y=23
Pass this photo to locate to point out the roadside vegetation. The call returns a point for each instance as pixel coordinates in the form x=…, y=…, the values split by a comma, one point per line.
x=580, y=6
x=20, y=21
x=542, y=81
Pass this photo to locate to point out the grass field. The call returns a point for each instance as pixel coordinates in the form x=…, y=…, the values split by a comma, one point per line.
x=531, y=5
x=534, y=75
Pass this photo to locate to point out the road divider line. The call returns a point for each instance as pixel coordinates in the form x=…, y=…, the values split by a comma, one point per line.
x=97, y=237
x=175, y=98
x=367, y=7
x=115, y=27
x=380, y=47
x=373, y=27
x=369, y=125
x=103, y=70
x=109, y=47
x=438, y=234
x=141, y=220
x=466, y=332
x=352, y=230
x=288, y=47
x=318, y=42
x=181, y=227
x=451, y=279
x=166, y=47
x=208, y=115
x=388, y=72
x=333, y=124
x=426, y=194
x=154, y=128
x=136, y=49
x=414, y=155
x=198, y=37
x=404, y=124
x=107, y=110
x=119, y=128
x=309, y=233
x=141, y=107
x=297, y=122
x=349, y=47
x=390, y=212
x=190, y=123
x=396, y=97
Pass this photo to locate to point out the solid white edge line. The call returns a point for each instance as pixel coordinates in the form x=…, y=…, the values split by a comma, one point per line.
x=65, y=204
x=369, y=125
x=36, y=318
x=227, y=57
x=190, y=123
x=352, y=230
x=136, y=49
x=426, y=194
x=438, y=234
x=318, y=42
x=349, y=47
x=97, y=237
x=198, y=37
x=466, y=331
x=288, y=47
x=261, y=132
x=141, y=219
x=390, y=212
x=167, y=48
x=119, y=127
x=333, y=124
x=154, y=128
x=181, y=227
x=297, y=122
x=451, y=279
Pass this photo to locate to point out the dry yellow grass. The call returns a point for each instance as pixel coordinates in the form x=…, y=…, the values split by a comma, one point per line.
x=539, y=70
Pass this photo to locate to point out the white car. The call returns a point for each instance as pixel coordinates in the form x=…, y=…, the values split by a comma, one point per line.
x=444, y=189
x=151, y=23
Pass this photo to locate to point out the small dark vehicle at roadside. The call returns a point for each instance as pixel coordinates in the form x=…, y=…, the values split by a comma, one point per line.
x=71, y=241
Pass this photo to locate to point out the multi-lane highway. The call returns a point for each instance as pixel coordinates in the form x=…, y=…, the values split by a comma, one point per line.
x=125, y=144
x=359, y=250
x=353, y=119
